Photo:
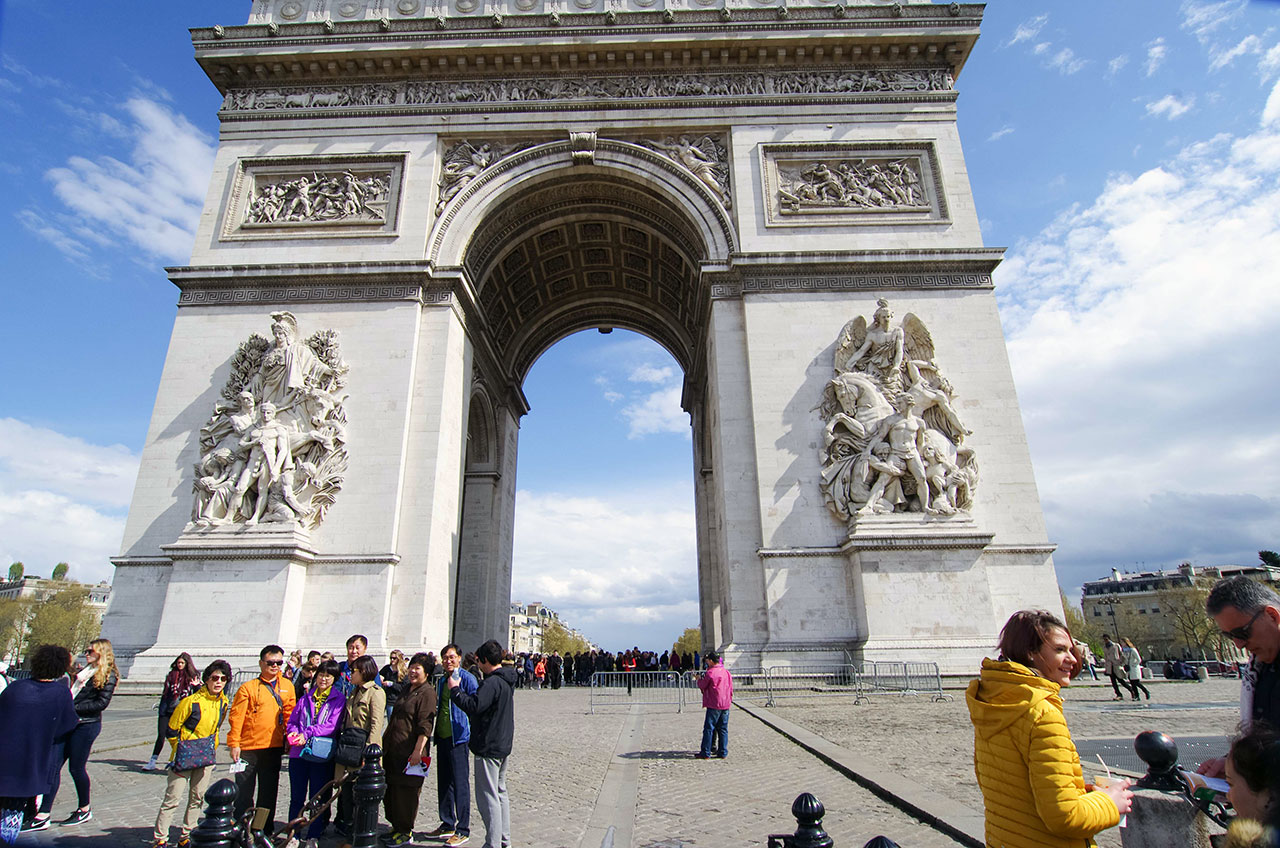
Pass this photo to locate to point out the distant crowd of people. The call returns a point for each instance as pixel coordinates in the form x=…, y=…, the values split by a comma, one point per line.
x=551, y=670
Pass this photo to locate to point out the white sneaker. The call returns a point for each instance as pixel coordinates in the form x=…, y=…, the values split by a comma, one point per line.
x=151, y=765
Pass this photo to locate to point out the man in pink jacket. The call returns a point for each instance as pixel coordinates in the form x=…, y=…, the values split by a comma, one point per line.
x=717, y=697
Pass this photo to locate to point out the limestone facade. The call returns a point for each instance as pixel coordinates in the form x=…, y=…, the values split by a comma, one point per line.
x=735, y=180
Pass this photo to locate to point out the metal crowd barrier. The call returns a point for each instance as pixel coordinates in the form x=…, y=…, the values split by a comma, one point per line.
x=811, y=681
x=650, y=688
x=240, y=678
x=902, y=678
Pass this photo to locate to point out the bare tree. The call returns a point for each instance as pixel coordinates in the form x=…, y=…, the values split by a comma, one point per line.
x=1182, y=605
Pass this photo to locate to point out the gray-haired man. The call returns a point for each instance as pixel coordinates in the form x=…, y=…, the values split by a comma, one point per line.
x=1248, y=613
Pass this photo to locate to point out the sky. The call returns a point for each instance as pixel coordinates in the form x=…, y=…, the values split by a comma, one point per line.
x=1126, y=154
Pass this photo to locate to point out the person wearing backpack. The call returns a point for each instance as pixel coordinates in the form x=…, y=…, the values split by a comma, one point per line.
x=193, y=733
x=258, y=716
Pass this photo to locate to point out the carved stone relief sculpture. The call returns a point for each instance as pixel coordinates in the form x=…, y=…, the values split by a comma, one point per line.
x=274, y=449
x=879, y=184
x=319, y=198
x=464, y=161
x=706, y=158
x=893, y=441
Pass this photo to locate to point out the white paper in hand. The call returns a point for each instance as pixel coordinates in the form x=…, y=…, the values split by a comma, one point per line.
x=420, y=770
x=238, y=766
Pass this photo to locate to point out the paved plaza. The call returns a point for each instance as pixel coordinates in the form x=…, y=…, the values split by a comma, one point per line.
x=576, y=779
x=627, y=773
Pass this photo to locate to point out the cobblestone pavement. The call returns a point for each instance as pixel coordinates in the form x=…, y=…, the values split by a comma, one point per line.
x=573, y=777
x=932, y=743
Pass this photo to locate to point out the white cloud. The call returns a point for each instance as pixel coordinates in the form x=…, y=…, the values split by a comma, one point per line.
x=617, y=567
x=1271, y=111
x=61, y=499
x=1157, y=52
x=155, y=200
x=1028, y=30
x=1141, y=328
x=1269, y=64
x=1202, y=18
x=33, y=223
x=1219, y=58
x=1000, y=133
x=1170, y=107
x=657, y=412
x=1117, y=64
x=651, y=374
x=1066, y=61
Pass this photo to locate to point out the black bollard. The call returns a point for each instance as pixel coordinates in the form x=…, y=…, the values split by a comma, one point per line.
x=1160, y=753
x=370, y=787
x=218, y=827
x=882, y=842
x=808, y=811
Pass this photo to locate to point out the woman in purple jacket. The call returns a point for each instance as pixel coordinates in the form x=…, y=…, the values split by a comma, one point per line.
x=317, y=715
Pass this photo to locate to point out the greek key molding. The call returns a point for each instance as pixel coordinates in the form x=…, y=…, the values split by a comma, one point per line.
x=632, y=89
x=316, y=293
x=861, y=282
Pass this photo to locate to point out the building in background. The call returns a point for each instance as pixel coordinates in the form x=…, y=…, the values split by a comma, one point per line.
x=39, y=589
x=1163, y=611
x=529, y=625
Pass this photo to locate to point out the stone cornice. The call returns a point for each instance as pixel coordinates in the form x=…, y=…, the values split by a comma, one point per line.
x=831, y=271
x=570, y=37
x=217, y=285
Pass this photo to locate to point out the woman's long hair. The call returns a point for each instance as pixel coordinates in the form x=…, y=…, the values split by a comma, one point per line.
x=106, y=662
x=189, y=674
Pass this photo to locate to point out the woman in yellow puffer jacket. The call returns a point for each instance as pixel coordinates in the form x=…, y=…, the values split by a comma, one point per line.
x=1033, y=789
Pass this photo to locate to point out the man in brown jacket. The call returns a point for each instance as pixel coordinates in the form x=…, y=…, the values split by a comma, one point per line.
x=258, y=715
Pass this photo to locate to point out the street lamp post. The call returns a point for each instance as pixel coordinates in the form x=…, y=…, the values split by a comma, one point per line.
x=1111, y=602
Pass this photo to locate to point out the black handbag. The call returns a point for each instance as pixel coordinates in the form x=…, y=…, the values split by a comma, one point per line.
x=349, y=751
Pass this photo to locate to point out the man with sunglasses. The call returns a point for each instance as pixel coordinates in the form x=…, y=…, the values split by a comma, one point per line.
x=1248, y=613
x=258, y=716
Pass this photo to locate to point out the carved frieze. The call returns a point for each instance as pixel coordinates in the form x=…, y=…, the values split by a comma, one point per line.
x=851, y=182
x=893, y=441
x=528, y=91
x=274, y=449
x=314, y=196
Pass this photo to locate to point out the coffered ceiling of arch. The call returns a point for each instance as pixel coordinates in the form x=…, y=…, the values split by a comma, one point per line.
x=575, y=255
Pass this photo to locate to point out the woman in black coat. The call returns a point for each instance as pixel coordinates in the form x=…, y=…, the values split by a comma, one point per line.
x=182, y=680
x=92, y=689
x=33, y=714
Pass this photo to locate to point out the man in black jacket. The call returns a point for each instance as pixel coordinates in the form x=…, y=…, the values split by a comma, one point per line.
x=493, y=726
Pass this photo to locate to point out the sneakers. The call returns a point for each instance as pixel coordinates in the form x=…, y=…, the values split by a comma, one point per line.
x=397, y=839
x=441, y=832
x=701, y=756
x=457, y=839
x=184, y=842
x=160, y=843
x=76, y=817
x=37, y=823
x=151, y=765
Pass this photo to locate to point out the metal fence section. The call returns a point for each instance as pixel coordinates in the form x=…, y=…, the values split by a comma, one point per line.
x=650, y=688
x=238, y=679
x=810, y=681
x=902, y=678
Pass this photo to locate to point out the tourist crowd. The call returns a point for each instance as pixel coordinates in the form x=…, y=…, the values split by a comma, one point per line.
x=551, y=670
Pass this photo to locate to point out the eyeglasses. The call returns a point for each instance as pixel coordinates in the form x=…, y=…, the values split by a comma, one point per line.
x=217, y=678
x=276, y=663
x=1242, y=633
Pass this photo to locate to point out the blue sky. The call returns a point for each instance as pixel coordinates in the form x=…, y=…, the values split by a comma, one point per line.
x=1127, y=154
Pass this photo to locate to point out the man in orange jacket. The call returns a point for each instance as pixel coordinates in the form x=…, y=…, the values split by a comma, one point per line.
x=258, y=715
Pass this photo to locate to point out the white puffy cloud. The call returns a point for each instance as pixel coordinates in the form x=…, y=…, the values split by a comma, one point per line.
x=657, y=412
x=1117, y=64
x=1157, y=52
x=1066, y=61
x=154, y=200
x=1141, y=330
x=1203, y=17
x=1028, y=30
x=652, y=374
x=1220, y=57
x=618, y=567
x=61, y=499
x=1170, y=106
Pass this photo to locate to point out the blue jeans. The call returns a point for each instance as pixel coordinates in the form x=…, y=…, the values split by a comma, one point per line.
x=715, y=727
x=305, y=780
x=453, y=786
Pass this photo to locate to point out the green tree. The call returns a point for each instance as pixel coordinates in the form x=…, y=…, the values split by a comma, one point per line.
x=1270, y=558
x=1081, y=626
x=690, y=640
x=16, y=571
x=15, y=615
x=1182, y=606
x=60, y=571
x=64, y=618
x=556, y=637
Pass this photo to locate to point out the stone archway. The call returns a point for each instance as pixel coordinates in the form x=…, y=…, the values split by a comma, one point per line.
x=556, y=248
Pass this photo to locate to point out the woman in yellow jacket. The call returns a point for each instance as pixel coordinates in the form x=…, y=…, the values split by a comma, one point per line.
x=1033, y=789
x=197, y=716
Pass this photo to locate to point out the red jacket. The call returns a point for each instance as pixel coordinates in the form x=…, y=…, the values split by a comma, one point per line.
x=717, y=687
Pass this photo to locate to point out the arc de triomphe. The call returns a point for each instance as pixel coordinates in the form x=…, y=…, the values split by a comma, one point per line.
x=413, y=199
